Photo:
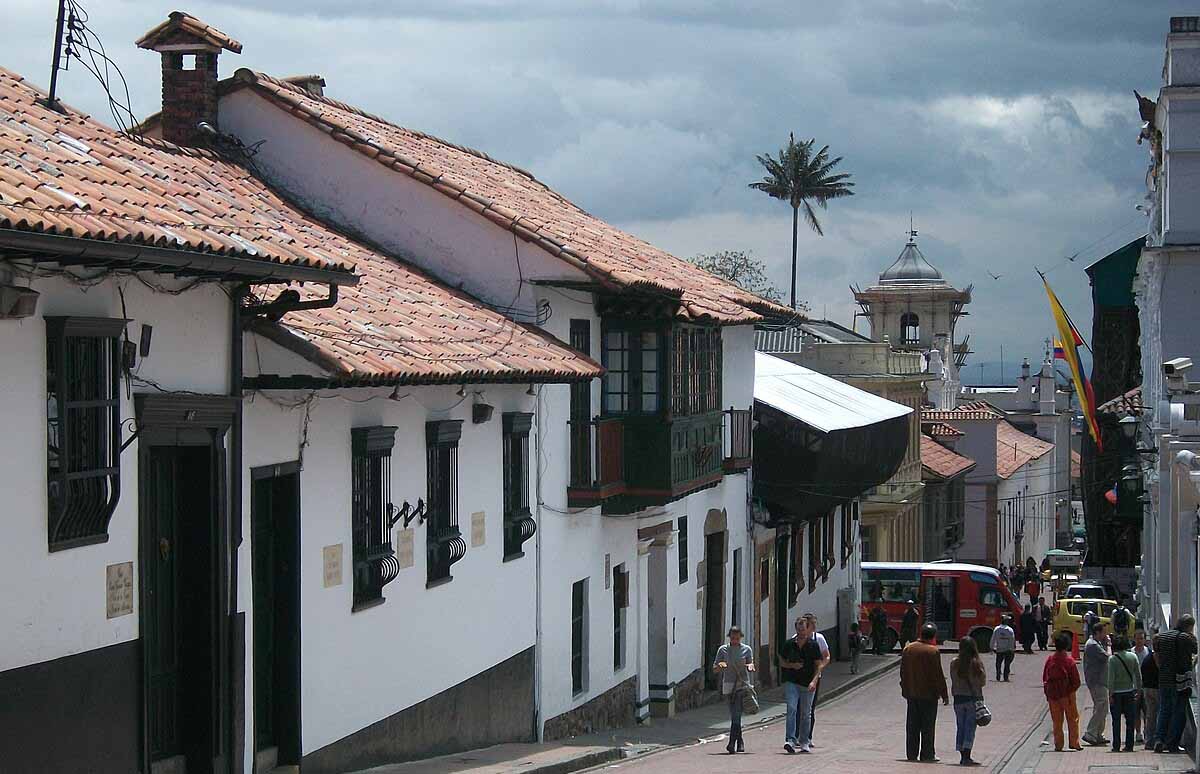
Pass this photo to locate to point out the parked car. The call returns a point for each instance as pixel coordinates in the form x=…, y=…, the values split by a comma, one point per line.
x=1068, y=615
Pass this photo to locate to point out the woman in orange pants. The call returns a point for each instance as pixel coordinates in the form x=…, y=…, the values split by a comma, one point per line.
x=1060, y=681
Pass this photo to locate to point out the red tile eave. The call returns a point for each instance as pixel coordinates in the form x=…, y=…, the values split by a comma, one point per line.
x=719, y=302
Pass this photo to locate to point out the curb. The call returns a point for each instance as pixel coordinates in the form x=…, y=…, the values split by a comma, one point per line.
x=591, y=760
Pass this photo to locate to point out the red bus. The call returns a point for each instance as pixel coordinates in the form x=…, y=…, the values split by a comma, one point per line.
x=962, y=600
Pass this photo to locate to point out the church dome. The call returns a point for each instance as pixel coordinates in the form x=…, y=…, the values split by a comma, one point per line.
x=911, y=268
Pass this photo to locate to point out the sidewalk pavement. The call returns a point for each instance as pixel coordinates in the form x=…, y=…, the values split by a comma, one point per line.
x=700, y=726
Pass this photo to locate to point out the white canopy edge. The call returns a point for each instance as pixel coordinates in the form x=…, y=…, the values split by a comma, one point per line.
x=819, y=401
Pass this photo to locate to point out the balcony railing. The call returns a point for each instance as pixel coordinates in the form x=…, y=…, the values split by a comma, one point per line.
x=739, y=429
x=597, y=460
x=695, y=452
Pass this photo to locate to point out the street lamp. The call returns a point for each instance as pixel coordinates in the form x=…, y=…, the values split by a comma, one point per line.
x=1129, y=427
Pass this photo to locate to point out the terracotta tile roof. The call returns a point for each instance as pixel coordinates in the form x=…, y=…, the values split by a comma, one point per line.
x=979, y=409
x=73, y=176
x=940, y=430
x=397, y=325
x=68, y=174
x=1127, y=403
x=180, y=23
x=942, y=462
x=1014, y=449
x=517, y=201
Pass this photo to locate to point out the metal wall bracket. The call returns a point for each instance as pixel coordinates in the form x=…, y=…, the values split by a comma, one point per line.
x=408, y=513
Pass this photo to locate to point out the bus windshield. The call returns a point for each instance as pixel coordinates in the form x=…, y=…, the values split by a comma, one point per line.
x=891, y=585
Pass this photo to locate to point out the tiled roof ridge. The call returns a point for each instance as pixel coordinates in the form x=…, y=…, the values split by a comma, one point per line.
x=292, y=97
x=961, y=462
x=184, y=21
x=1032, y=445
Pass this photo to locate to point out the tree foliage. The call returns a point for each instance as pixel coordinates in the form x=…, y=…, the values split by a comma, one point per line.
x=742, y=269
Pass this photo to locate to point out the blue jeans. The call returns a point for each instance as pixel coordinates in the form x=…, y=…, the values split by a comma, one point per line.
x=964, y=713
x=1123, y=705
x=791, y=696
x=804, y=716
x=1172, y=709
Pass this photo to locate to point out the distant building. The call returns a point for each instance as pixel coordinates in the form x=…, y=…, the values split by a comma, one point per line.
x=943, y=471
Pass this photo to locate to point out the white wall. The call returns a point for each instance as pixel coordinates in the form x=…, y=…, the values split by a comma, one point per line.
x=360, y=667
x=55, y=602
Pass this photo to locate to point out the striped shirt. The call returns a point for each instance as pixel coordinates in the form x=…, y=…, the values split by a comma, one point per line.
x=1176, y=651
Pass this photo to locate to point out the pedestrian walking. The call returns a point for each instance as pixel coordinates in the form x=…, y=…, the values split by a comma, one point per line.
x=856, y=646
x=1124, y=683
x=879, y=626
x=734, y=663
x=1004, y=645
x=1033, y=587
x=1095, y=672
x=1176, y=654
x=1043, y=616
x=1122, y=620
x=1149, y=695
x=800, y=666
x=967, y=678
x=922, y=683
x=815, y=633
x=1141, y=649
x=1028, y=626
x=908, y=624
x=1060, y=681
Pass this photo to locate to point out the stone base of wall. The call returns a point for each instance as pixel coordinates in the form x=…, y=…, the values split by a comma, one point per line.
x=493, y=707
x=615, y=708
x=689, y=692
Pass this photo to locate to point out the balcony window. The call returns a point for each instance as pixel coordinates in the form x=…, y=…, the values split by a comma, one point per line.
x=83, y=423
x=695, y=369
x=444, y=543
x=518, y=523
x=631, y=384
x=375, y=562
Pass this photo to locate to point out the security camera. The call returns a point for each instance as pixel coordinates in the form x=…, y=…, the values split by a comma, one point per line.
x=1177, y=366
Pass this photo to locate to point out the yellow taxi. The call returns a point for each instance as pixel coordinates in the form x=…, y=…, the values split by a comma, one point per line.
x=1068, y=615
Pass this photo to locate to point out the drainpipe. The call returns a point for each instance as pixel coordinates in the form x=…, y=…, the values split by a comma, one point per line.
x=538, y=726
x=237, y=693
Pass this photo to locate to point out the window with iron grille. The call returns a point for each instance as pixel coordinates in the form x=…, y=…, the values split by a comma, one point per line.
x=375, y=562
x=829, y=559
x=815, y=533
x=620, y=589
x=83, y=428
x=444, y=543
x=518, y=523
x=796, y=566
x=849, y=516
x=579, y=637
x=736, y=593
x=683, y=549
x=695, y=369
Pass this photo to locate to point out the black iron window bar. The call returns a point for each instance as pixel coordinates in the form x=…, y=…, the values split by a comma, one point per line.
x=83, y=428
x=375, y=563
x=519, y=525
x=444, y=543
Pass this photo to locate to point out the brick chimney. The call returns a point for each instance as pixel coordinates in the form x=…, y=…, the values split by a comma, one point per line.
x=189, y=50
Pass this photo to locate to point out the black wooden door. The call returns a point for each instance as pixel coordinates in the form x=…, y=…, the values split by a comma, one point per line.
x=714, y=601
x=160, y=608
x=275, y=547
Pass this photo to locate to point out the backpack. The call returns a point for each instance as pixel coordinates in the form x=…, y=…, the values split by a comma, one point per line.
x=1058, y=680
x=1120, y=620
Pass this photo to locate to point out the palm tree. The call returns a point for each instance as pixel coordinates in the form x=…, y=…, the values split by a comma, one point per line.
x=801, y=177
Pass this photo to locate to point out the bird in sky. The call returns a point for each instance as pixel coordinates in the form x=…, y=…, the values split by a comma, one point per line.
x=995, y=276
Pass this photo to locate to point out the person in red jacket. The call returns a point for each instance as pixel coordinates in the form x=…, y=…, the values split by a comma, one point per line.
x=1060, y=681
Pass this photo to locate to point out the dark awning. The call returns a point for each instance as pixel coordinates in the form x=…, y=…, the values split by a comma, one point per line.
x=819, y=442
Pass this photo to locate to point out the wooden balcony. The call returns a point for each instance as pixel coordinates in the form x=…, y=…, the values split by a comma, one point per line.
x=738, y=431
x=597, y=461
x=666, y=459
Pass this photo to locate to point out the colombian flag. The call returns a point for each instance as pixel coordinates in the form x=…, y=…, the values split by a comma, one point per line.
x=1069, y=342
x=1058, y=350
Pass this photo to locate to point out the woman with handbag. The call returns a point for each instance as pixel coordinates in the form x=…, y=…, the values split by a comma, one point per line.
x=967, y=678
x=1124, y=680
x=734, y=663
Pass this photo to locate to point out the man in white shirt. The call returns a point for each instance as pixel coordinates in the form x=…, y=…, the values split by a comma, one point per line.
x=825, y=659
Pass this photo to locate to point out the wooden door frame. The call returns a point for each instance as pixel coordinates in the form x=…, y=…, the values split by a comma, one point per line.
x=185, y=419
x=258, y=474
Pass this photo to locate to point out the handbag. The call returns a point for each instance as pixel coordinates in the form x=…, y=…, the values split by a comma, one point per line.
x=749, y=699
x=983, y=715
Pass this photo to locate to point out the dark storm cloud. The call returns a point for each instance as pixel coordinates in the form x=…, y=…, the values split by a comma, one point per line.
x=1007, y=128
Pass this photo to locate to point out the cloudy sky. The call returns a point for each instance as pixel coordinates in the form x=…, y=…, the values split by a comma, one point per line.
x=1007, y=128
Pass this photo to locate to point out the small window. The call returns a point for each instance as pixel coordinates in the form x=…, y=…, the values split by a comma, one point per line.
x=188, y=61
x=518, y=523
x=683, y=549
x=579, y=637
x=620, y=589
x=375, y=562
x=83, y=428
x=632, y=357
x=444, y=543
x=764, y=577
x=990, y=596
x=910, y=328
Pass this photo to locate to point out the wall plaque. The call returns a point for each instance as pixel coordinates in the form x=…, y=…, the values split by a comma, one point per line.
x=119, y=589
x=404, y=548
x=478, y=529
x=331, y=561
